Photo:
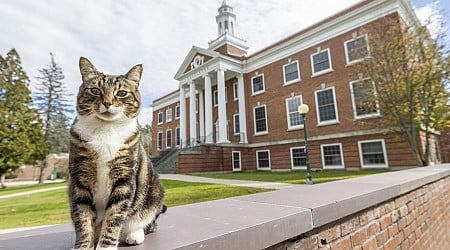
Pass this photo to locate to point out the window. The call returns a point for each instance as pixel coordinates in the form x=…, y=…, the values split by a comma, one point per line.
x=177, y=112
x=356, y=49
x=263, y=159
x=363, y=97
x=332, y=155
x=236, y=160
x=236, y=124
x=326, y=106
x=258, y=84
x=259, y=114
x=160, y=118
x=293, y=116
x=235, y=91
x=321, y=62
x=168, y=138
x=291, y=73
x=177, y=137
x=372, y=154
x=215, y=98
x=169, y=115
x=160, y=140
x=298, y=158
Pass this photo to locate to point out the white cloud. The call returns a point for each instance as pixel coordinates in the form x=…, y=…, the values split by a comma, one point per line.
x=431, y=16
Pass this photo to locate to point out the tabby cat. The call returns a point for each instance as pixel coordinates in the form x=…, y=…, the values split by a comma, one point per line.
x=115, y=194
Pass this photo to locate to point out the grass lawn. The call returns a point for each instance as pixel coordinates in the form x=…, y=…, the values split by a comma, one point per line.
x=52, y=207
x=293, y=177
x=25, y=188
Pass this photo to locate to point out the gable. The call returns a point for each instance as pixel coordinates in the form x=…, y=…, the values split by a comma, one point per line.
x=198, y=60
x=194, y=59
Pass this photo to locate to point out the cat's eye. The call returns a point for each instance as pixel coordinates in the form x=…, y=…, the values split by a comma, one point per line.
x=95, y=91
x=121, y=93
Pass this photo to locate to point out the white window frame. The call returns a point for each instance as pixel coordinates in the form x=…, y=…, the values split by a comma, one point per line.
x=263, y=84
x=159, y=144
x=365, y=116
x=160, y=121
x=323, y=156
x=383, y=145
x=232, y=161
x=257, y=160
x=215, y=98
x=169, y=146
x=298, y=72
x=236, y=128
x=329, y=60
x=169, y=115
x=293, y=127
x=347, y=59
x=254, y=120
x=177, y=116
x=328, y=122
x=292, y=158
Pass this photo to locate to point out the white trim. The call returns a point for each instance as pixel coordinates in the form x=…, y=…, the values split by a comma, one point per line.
x=329, y=61
x=263, y=84
x=292, y=159
x=360, y=59
x=215, y=98
x=372, y=115
x=171, y=138
x=254, y=120
x=179, y=112
x=159, y=146
x=257, y=159
x=340, y=153
x=290, y=127
x=327, y=122
x=383, y=145
x=232, y=161
x=298, y=72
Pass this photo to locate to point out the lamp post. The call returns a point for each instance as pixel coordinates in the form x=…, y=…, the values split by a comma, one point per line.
x=303, y=109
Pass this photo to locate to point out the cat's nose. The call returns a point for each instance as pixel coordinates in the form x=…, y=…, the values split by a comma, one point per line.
x=107, y=104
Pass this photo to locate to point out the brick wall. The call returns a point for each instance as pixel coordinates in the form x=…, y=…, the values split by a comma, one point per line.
x=419, y=219
x=445, y=145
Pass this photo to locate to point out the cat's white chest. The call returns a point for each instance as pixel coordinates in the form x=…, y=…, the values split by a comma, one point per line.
x=106, y=139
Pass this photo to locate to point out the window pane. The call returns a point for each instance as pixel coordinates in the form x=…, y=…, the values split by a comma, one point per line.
x=260, y=119
x=168, y=139
x=236, y=124
x=291, y=72
x=258, y=84
x=364, y=96
x=299, y=157
x=372, y=153
x=236, y=160
x=332, y=155
x=357, y=49
x=263, y=159
x=321, y=61
x=325, y=103
x=177, y=132
x=294, y=116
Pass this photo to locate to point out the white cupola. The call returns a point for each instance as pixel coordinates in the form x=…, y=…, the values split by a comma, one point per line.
x=226, y=19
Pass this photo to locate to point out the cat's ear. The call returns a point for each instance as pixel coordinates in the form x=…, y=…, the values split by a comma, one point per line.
x=135, y=73
x=87, y=69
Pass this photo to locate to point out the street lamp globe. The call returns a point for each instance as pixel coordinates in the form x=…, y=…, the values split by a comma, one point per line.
x=303, y=109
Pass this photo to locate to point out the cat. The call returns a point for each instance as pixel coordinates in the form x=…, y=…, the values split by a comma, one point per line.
x=115, y=195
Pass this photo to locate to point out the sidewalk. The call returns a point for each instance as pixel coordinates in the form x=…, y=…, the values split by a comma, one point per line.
x=239, y=183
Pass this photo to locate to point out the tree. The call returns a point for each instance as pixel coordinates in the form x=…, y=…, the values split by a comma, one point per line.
x=21, y=137
x=51, y=99
x=409, y=70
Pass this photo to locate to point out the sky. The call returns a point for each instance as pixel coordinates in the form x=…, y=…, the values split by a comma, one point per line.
x=118, y=34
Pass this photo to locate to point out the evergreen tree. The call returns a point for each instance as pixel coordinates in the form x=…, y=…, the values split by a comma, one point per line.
x=51, y=99
x=21, y=137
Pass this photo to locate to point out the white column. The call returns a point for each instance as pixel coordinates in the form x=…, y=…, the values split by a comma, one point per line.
x=242, y=114
x=222, y=106
x=201, y=114
x=192, y=115
x=182, y=117
x=208, y=110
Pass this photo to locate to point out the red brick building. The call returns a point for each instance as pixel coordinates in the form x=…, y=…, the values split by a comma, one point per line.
x=239, y=111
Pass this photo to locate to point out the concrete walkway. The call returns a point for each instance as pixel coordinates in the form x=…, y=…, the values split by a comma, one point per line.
x=239, y=183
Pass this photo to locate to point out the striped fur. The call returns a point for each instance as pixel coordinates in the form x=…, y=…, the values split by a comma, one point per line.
x=115, y=194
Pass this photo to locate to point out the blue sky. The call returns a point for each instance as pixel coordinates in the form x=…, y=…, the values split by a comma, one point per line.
x=117, y=34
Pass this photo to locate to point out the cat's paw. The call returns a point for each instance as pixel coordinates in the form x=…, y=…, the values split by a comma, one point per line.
x=135, y=238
